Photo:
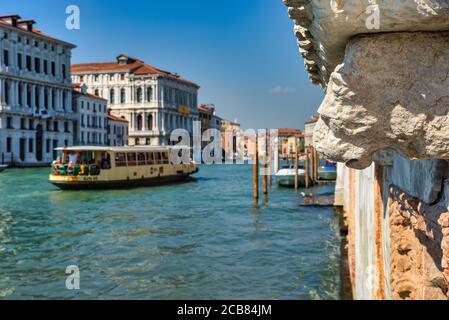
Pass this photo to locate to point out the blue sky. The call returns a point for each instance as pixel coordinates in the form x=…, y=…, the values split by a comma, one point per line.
x=242, y=53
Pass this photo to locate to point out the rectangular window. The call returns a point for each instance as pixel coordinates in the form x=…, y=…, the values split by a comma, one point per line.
x=53, y=68
x=6, y=57
x=31, y=124
x=157, y=158
x=131, y=157
x=37, y=65
x=48, y=125
x=28, y=62
x=9, y=123
x=45, y=66
x=66, y=127
x=55, y=126
x=31, y=145
x=120, y=160
x=48, y=145
x=165, y=158
x=19, y=60
x=64, y=75
x=141, y=159
x=22, y=124
x=8, y=144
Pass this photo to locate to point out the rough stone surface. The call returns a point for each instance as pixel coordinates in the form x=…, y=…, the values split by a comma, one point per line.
x=390, y=93
x=418, y=257
x=324, y=27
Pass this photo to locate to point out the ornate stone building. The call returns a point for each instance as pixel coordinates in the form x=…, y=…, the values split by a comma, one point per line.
x=385, y=119
x=36, y=113
x=155, y=102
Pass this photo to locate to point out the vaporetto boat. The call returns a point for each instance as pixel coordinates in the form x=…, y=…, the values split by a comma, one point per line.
x=80, y=168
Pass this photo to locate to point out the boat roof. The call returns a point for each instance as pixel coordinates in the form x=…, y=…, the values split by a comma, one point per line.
x=120, y=149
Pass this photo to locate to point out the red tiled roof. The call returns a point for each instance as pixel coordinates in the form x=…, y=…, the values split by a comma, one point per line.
x=205, y=109
x=313, y=119
x=136, y=67
x=114, y=118
x=288, y=131
x=35, y=31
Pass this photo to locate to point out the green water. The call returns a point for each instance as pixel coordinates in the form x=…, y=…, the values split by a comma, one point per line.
x=200, y=240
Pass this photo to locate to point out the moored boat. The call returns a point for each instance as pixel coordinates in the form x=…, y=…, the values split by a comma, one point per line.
x=286, y=177
x=117, y=167
x=3, y=167
x=327, y=171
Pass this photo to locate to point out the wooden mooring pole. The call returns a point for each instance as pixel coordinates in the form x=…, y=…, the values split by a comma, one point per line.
x=265, y=165
x=307, y=167
x=256, y=169
x=296, y=165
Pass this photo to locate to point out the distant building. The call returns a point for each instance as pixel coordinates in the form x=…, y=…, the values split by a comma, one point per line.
x=308, y=130
x=36, y=113
x=117, y=131
x=92, y=112
x=209, y=120
x=155, y=102
x=230, y=138
x=286, y=136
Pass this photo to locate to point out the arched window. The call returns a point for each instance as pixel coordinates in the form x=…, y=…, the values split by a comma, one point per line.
x=122, y=96
x=112, y=96
x=139, y=95
x=97, y=92
x=149, y=94
x=139, y=123
x=150, y=122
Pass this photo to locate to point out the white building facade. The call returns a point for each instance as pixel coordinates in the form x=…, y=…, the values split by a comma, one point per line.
x=155, y=102
x=117, y=131
x=92, y=118
x=36, y=113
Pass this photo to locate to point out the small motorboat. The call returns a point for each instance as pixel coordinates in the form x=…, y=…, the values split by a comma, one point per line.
x=286, y=176
x=3, y=167
x=328, y=171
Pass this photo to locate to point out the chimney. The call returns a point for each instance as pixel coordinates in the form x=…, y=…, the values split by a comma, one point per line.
x=13, y=18
x=29, y=24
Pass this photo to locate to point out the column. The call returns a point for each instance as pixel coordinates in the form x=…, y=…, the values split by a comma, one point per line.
x=50, y=98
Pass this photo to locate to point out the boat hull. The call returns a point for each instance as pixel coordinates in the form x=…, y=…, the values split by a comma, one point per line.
x=2, y=168
x=327, y=175
x=119, y=184
x=289, y=181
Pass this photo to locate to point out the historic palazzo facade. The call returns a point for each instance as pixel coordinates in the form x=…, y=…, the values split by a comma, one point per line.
x=155, y=102
x=36, y=112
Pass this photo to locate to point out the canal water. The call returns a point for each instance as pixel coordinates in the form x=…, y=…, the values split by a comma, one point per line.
x=200, y=240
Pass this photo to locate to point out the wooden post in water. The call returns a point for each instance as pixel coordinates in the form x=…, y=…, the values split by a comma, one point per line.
x=265, y=165
x=270, y=162
x=313, y=164
x=296, y=165
x=256, y=169
x=306, y=168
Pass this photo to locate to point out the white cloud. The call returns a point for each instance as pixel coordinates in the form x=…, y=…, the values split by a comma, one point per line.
x=282, y=90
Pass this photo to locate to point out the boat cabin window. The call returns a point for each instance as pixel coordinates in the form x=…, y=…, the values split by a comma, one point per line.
x=132, y=160
x=141, y=159
x=158, y=157
x=120, y=160
x=165, y=158
x=150, y=158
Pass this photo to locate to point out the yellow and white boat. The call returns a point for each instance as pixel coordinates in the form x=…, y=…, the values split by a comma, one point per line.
x=80, y=168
